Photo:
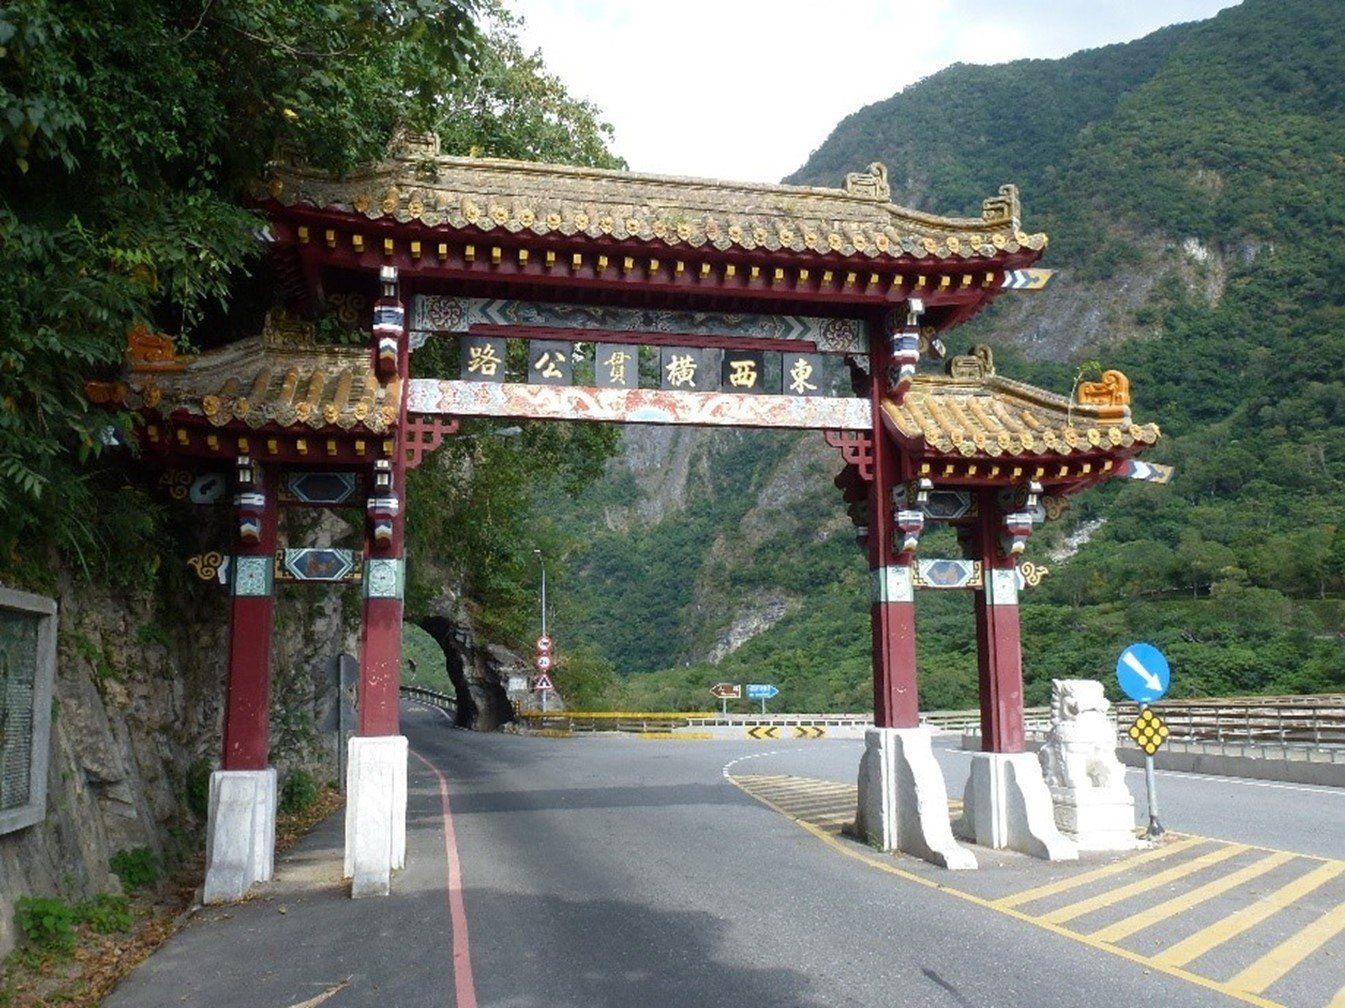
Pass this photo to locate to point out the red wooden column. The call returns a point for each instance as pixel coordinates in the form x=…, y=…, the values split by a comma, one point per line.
x=251, y=616
x=892, y=595
x=999, y=653
x=384, y=549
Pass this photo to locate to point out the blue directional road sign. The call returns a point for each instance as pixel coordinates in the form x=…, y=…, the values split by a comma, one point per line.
x=762, y=691
x=1143, y=673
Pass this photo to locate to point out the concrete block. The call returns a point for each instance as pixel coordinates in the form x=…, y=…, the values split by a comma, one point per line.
x=1096, y=819
x=240, y=833
x=1006, y=806
x=375, y=812
x=903, y=801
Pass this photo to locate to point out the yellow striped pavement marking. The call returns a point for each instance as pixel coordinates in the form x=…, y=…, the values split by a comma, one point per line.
x=1290, y=952
x=828, y=801
x=1196, y=945
x=860, y=854
x=1112, y=896
x=1116, y=868
x=1180, y=904
x=1339, y=1000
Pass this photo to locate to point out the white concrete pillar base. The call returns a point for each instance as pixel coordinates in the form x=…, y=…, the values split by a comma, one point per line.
x=1006, y=805
x=903, y=801
x=1097, y=819
x=240, y=844
x=375, y=812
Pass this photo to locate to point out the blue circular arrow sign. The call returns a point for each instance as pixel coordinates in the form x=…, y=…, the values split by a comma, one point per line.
x=1143, y=673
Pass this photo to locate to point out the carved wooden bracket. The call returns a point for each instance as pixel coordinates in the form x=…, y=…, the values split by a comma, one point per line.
x=856, y=448
x=424, y=433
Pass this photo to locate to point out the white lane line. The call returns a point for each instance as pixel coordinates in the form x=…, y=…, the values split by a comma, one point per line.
x=1218, y=779
x=431, y=707
x=724, y=772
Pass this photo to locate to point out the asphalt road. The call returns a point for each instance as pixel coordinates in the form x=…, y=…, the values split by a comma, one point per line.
x=615, y=871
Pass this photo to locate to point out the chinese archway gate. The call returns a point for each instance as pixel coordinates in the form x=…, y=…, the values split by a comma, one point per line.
x=636, y=299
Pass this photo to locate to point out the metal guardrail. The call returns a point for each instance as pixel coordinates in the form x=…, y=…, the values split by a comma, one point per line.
x=441, y=700
x=1279, y=720
x=1302, y=720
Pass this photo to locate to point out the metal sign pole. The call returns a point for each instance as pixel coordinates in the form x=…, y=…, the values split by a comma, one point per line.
x=1151, y=791
x=723, y=706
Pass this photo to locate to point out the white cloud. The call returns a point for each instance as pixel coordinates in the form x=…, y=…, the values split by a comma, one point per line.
x=746, y=89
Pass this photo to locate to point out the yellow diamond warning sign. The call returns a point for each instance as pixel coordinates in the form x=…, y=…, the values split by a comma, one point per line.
x=1148, y=731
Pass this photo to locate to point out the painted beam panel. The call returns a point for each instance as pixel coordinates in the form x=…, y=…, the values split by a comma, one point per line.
x=446, y=314
x=648, y=406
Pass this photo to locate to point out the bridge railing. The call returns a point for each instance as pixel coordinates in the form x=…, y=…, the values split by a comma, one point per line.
x=1285, y=720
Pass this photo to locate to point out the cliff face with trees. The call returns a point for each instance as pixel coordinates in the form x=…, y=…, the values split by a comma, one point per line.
x=132, y=134
x=1193, y=186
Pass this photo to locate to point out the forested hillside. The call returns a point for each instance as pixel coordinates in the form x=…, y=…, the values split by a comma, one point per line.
x=1194, y=187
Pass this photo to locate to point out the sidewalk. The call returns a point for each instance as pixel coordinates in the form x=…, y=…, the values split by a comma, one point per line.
x=302, y=936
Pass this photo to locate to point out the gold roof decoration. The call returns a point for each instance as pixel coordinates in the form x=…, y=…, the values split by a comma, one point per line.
x=418, y=183
x=973, y=411
x=266, y=380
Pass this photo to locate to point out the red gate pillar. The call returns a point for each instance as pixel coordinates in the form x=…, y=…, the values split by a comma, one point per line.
x=902, y=800
x=251, y=615
x=240, y=825
x=999, y=656
x=1006, y=802
x=892, y=595
x=384, y=580
x=377, y=755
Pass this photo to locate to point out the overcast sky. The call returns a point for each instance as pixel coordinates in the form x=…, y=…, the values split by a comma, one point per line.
x=746, y=89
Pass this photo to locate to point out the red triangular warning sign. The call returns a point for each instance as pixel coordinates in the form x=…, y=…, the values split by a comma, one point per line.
x=542, y=682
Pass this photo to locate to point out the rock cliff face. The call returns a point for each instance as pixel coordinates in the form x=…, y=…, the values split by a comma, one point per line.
x=480, y=671
x=136, y=727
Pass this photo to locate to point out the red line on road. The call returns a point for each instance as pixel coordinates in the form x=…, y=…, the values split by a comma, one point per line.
x=462, y=955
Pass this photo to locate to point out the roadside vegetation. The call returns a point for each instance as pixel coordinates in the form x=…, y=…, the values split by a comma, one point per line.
x=1135, y=159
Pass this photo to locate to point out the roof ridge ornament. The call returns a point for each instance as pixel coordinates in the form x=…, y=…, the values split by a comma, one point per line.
x=1003, y=209
x=872, y=183
x=413, y=146
x=977, y=363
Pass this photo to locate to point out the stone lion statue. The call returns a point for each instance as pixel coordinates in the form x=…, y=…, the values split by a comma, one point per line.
x=1080, y=748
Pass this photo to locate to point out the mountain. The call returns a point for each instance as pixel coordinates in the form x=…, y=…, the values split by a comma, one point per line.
x=1194, y=188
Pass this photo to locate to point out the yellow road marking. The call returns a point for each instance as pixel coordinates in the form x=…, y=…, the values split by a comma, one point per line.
x=1339, y=1000
x=1064, y=885
x=1290, y=952
x=1235, y=923
x=1180, y=904
x=1106, y=899
x=792, y=802
x=844, y=820
x=852, y=851
x=805, y=785
x=800, y=792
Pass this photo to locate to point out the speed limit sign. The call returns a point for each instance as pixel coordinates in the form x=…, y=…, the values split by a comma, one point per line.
x=543, y=662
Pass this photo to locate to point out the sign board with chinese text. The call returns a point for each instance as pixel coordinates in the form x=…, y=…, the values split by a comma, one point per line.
x=482, y=358
x=550, y=362
x=583, y=362
x=762, y=691
x=727, y=691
